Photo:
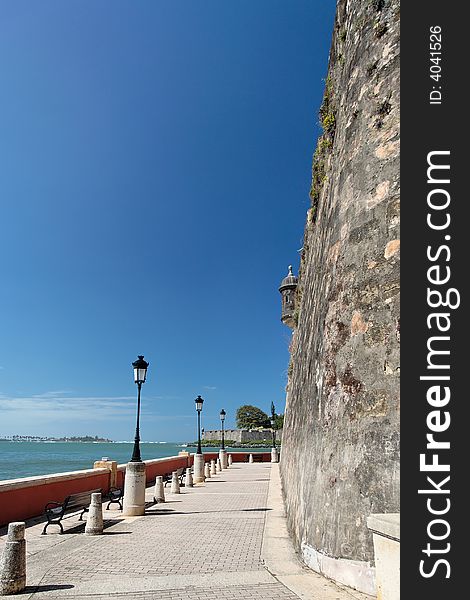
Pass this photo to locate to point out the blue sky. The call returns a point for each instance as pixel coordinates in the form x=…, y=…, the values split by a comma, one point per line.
x=155, y=162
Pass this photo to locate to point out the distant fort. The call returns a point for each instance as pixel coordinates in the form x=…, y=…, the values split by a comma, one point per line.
x=241, y=436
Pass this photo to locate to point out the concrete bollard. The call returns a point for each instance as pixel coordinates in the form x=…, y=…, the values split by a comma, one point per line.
x=274, y=455
x=230, y=460
x=207, y=471
x=13, y=564
x=189, y=478
x=251, y=458
x=134, y=490
x=198, y=468
x=223, y=458
x=159, y=493
x=219, y=466
x=94, y=522
x=175, y=483
x=213, y=469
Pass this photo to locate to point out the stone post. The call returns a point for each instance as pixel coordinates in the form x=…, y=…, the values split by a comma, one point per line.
x=274, y=455
x=198, y=468
x=188, y=482
x=219, y=466
x=13, y=564
x=175, y=483
x=94, y=522
x=250, y=458
x=223, y=458
x=159, y=493
x=111, y=465
x=207, y=471
x=213, y=469
x=134, y=490
x=230, y=460
x=386, y=536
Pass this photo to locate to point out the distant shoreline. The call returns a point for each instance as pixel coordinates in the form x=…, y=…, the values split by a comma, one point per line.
x=33, y=438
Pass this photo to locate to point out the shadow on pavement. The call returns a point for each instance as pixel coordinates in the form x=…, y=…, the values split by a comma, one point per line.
x=30, y=589
x=167, y=511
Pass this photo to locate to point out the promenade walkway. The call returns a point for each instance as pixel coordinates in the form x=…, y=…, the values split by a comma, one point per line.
x=223, y=540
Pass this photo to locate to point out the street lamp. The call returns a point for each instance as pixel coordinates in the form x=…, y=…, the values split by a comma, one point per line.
x=199, y=402
x=273, y=424
x=140, y=374
x=134, y=482
x=198, y=457
x=222, y=419
x=222, y=451
x=274, y=454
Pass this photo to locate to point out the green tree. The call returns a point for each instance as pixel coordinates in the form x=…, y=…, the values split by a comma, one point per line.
x=250, y=417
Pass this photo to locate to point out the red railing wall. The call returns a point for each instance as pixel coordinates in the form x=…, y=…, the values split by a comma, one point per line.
x=28, y=497
x=25, y=498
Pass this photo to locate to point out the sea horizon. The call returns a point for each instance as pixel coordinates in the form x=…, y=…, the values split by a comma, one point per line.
x=22, y=458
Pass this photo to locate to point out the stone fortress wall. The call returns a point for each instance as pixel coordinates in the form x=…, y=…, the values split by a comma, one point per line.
x=240, y=435
x=340, y=453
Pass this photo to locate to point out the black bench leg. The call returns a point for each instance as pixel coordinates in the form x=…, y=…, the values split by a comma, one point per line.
x=114, y=502
x=50, y=523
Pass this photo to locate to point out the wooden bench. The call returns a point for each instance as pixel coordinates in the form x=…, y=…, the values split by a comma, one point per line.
x=55, y=511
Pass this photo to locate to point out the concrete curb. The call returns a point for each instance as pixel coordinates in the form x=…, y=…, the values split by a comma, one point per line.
x=281, y=560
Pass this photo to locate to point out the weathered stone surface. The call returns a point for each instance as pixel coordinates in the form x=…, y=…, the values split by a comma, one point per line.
x=175, y=483
x=159, y=493
x=340, y=454
x=223, y=458
x=134, y=490
x=198, y=468
x=188, y=482
x=13, y=561
x=94, y=522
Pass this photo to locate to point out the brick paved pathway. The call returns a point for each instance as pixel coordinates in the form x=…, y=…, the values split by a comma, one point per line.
x=203, y=544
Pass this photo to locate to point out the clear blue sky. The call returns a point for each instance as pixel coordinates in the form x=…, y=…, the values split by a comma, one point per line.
x=155, y=164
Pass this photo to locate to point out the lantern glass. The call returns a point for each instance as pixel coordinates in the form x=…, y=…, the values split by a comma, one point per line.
x=222, y=415
x=199, y=401
x=140, y=375
x=140, y=369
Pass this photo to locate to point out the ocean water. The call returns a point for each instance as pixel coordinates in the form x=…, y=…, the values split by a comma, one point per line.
x=25, y=459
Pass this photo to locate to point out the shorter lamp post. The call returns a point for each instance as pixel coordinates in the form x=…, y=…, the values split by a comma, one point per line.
x=222, y=419
x=274, y=454
x=222, y=451
x=199, y=402
x=199, y=457
x=134, y=488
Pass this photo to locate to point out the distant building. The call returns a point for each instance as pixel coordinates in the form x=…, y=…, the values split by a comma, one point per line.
x=240, y=435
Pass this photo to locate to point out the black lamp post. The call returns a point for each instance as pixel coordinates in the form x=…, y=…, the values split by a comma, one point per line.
x=199, y=402
x=273, y=423
x=140, y=374
x=222, y=419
